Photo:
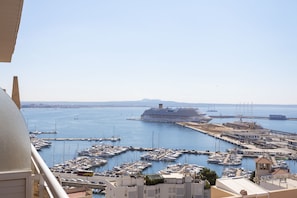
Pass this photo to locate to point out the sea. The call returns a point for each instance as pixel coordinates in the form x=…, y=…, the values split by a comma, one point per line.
x=123, y=122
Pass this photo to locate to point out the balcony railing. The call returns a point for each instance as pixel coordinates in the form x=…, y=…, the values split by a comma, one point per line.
x=45, y=184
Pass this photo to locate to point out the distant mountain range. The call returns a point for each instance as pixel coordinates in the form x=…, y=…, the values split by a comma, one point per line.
x=138, y=103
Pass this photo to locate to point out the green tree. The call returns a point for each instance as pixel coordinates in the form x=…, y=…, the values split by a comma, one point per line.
x=209, y=175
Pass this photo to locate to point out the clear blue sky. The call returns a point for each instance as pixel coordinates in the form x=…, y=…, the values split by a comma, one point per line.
x=188, y=51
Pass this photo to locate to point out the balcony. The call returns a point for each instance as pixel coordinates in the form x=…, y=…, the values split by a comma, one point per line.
x=44, y=182
x=23, y=173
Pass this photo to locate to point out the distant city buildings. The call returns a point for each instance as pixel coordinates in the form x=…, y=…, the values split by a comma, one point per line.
x=177, y=181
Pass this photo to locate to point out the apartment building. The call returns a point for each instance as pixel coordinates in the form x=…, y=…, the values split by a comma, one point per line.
x=174, y=185
x=268, y=183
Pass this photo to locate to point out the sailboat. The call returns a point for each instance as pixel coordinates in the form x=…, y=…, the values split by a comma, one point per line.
x=212, y=109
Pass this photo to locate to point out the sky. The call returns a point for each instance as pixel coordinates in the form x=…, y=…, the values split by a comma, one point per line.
x=214, y=51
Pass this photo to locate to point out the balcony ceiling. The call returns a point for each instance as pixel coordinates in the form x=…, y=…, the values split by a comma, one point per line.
x=10, y=17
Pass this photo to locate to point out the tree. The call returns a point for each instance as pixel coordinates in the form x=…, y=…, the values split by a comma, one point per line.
x=209, y=175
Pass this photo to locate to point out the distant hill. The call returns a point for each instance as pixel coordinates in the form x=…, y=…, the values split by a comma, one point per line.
x=138, y=103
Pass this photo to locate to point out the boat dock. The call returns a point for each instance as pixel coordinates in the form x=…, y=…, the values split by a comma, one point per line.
x=161, y=155
x=212, y=134
x=112, y=139
x=132, y=168
x=249, y=117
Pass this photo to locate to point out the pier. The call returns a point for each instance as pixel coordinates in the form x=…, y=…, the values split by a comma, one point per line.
x=200, y=128
x=112, y=139
x=248, y=117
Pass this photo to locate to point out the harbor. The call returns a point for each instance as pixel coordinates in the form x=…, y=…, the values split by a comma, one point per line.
x=278, y=146
x=196, y=144
x=98, y=180
x=87, y=67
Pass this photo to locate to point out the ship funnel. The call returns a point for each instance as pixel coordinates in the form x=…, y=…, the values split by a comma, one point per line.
x=160, y=106
x=15, y=92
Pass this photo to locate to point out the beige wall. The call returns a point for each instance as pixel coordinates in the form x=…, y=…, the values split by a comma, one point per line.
x=219, y=193
x=287, y=193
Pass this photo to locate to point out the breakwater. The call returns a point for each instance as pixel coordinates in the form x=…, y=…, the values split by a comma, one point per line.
x=249, y=117
x=112, y=139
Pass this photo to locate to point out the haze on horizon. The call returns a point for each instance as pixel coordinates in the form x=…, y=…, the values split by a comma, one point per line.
x=186, y=51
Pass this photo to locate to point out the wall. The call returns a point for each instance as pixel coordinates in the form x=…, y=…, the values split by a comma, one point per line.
x=287, y=193
x=218, y=193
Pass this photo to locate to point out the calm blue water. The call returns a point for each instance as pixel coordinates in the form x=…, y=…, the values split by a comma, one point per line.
x=113, y=121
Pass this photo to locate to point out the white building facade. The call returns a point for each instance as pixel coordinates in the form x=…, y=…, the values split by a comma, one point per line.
x=163, y=186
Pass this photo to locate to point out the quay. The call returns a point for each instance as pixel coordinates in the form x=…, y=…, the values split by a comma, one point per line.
x=248, y=117
x=45, y=143
x=283, y=133
x=251, y=138
x=239, y=116
x=112, y=139
x=202, y=128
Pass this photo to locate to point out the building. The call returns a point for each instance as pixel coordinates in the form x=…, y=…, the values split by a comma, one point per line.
x=170, y=185
x=237, y=187
x=242, y=187
x=263, y=167
x=269, y=182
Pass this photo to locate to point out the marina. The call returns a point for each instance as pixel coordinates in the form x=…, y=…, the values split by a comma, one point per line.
x=39, y=143
x=202, y=54
x=161, y=155
x=232, y=157
x=128, y=168
x=78, y=163
x=196, y=144
x=103, y=150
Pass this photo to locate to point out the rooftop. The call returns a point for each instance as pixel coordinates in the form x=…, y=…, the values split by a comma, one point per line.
x=287, y=181
x=173, y=176
x=236, y=185
x=263, y=160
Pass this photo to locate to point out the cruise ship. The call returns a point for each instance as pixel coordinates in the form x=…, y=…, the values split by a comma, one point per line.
x=174, y=115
